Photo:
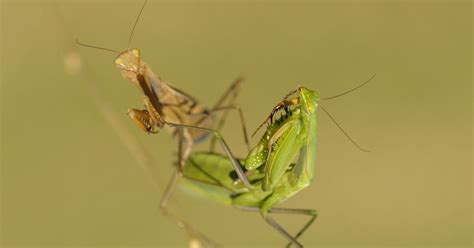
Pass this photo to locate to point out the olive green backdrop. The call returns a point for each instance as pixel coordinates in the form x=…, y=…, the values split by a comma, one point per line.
x=72, y=163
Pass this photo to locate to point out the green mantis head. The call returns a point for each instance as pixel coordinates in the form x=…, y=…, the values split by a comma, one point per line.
x=308, y=99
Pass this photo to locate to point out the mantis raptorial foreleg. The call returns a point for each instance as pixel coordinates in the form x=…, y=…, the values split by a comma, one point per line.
x=299, y=211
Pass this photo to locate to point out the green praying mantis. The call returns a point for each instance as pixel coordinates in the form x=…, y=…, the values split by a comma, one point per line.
x=280, y=165
x=269, y=166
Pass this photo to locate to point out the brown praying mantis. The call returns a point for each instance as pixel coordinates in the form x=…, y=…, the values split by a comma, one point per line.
x=172, y=104
x=167, y=106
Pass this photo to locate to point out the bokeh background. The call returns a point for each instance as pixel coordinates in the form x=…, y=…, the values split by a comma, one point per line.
x=76, y=172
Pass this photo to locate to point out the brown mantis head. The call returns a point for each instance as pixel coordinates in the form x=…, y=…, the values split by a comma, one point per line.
x=129, y=63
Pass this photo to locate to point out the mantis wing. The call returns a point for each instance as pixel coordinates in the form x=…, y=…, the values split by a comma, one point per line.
x=303, y=171
x=284, y=146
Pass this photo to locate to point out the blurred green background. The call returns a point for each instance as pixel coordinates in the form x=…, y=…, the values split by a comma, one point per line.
x=70, y=177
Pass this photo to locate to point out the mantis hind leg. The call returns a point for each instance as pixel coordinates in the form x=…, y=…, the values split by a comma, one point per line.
x=233, y=91
x=309, y=212
x=182, y=129
x=222, y=121
x=282, y=231
x=292, y=239
x=192, y=232
x=185, y=143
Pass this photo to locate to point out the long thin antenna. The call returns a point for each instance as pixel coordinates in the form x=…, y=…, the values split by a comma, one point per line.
x=135, y=25
x=342, y=130
x=96, y=47
x=349, y=91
